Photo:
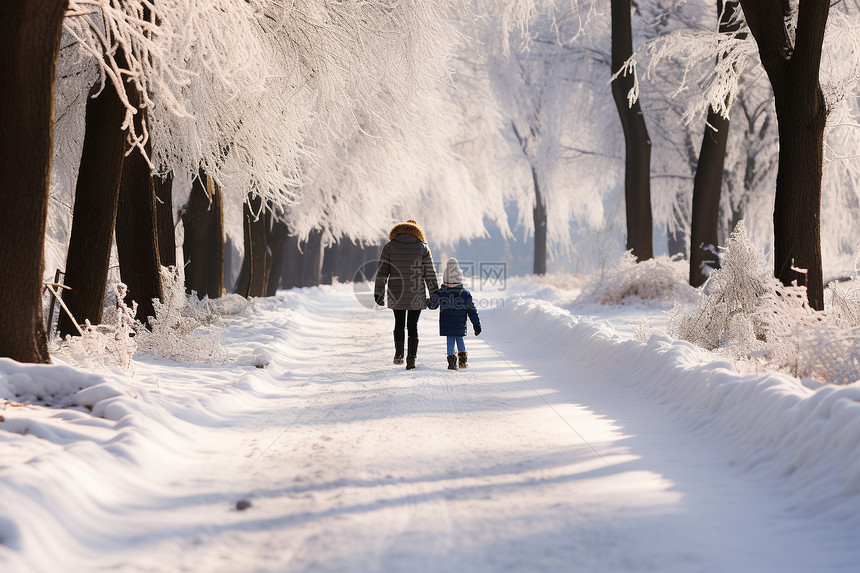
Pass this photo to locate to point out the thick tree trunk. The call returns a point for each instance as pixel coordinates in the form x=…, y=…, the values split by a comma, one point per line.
x=203, y=249
x=539, y=214
x=164, y=216
x=276, y=241
x=637, y=172
x=797, y=205
x=29, y=48
x=94, y=218
x=312, y=260
x=707, y=185
x=214, y=272
x=801, y=116
x=136, y=229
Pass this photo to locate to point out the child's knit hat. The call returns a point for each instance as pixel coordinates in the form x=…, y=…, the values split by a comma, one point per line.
x=453, y=274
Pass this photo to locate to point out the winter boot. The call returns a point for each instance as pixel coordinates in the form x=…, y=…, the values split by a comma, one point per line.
x=398, y=346
x=462, y=359
x=411, y=351
x=452, y=362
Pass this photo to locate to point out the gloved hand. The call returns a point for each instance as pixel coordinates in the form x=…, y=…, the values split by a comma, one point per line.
x=380, y=299
x=477, y=330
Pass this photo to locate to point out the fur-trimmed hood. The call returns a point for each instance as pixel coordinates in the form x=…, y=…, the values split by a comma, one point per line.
x=410, y=227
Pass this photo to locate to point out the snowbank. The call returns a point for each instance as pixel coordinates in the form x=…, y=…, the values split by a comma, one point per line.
x=807, y=440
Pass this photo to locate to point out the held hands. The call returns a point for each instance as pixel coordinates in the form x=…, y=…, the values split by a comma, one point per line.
x=477, y=330
x=380, y=299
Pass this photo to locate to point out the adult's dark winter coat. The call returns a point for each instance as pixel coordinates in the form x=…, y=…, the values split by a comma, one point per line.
x=455, y=304
x=406, y=265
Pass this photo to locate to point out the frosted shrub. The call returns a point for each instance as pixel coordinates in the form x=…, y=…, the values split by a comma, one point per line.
x=180, y=329
x=659, y=279
x=111, y=343
x=743, y=312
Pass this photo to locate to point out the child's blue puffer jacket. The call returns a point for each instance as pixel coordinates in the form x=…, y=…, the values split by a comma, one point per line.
x=454, y=304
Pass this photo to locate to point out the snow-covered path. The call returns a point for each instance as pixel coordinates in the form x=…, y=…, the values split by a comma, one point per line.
x=530, y=460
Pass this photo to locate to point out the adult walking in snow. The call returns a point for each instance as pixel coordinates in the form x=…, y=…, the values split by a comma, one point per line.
x=455, y=304
x=406, y=265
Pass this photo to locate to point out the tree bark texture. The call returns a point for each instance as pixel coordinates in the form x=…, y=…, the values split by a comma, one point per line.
x=29, y=49
x=203, y=248
x=252, y=277
x=637, y=171
x=312, y=260
x=215, y=241
x=801, y=117
x=164, y=217
x=707, y=185
x=136, y=228
x=94, y=216
x=539, y=214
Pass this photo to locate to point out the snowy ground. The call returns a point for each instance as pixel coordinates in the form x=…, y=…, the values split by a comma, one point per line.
x=566, y=446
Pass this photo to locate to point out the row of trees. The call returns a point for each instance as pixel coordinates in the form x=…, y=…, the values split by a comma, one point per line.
x=692, y=176
x=324, y=122
x=267, y=101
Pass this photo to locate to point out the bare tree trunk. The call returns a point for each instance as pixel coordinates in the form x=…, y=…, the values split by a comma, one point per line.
x=29, y=48
x=291, y=276
x=94, y=218
x=136, y=228
x=706, y=198
x=707, y=185
x=203, y=249
x=252, y=277
x=313, y=254
x=637, y=173
x=214, y=272
x=276, y=241
x=539, y=214
x=801, y=116
x=195, y=217
x=164, y=216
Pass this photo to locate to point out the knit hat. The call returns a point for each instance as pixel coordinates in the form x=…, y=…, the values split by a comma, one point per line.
x=453, y=274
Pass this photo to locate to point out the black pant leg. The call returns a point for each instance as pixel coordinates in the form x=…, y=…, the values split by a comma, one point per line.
x=399, y=320
x=412, y=323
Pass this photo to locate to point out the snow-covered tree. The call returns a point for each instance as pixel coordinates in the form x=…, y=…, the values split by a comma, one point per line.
x=29, y=47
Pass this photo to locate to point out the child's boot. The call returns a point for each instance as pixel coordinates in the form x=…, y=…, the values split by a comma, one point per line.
x=452, y=362
x=462, y=359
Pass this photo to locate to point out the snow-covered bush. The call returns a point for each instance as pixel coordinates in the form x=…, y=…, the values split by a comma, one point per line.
x=661, y=279
x=111, y=343
x=746, y=314
x=181, y=329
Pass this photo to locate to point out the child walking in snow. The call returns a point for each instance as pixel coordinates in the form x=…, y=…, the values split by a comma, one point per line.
x=454, y=303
